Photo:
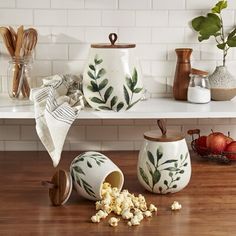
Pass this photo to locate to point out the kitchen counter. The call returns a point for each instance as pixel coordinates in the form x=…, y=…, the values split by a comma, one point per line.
x=154, y=108
x=209, y=201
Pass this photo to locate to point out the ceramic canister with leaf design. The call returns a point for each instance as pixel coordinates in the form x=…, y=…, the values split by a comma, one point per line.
x=164, y=162
x=112, y=79
x=90, y=170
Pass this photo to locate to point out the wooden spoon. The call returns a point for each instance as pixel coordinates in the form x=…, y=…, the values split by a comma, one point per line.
x=7, y=38
x=13, y=36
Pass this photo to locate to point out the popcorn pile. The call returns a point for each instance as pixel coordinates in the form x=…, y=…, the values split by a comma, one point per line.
x=124, y=204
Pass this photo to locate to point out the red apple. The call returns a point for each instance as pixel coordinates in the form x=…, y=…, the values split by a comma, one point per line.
x=201, y=146
x=231, y=148
x=228, y=139
x=216, y=142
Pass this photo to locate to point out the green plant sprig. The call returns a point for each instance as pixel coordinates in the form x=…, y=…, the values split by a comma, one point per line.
x=212, y=25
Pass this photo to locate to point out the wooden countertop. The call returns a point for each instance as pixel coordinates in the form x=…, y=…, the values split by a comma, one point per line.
x=209, y=201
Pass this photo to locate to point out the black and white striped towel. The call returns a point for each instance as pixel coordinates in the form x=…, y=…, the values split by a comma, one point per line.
x=57, y=104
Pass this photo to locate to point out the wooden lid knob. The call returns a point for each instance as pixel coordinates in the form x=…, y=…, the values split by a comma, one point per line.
x=60, y=187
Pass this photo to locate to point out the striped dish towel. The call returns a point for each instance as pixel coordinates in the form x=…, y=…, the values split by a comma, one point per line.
x=57, y=104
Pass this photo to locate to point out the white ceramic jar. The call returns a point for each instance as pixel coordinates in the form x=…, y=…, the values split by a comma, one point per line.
x=111, y=79
x=164, y=162
x=90, y=170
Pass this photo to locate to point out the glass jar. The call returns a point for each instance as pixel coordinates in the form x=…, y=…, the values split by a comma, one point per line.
x=19, y=78
x=199, y=89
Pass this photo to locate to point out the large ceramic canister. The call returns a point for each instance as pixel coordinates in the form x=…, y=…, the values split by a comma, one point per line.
x=111, y=79
x=164, y=162
x=90, y=170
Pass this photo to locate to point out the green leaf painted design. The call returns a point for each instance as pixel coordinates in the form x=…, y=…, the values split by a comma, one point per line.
x=89, y=164
x=131, y=105
x=92, y=67
x=91, y=75
x=120, y=106
x=144, y=176
x=114, y=101
x=138, y=90
x=169, y=161
x=151, y=158
x=94, y=85
x=134, y=78
x=126, y=94
x=103, y=84
x=97, y=100
x=97, y=61
x=91, y=88
x=100, y=73
x=79, y=170
x=175, y=167
x=156, y=177
x=129, y=83
x=108, y=93
x=105, y=108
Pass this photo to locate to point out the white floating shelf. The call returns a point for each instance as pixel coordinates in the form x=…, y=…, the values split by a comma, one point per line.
x=149, y=109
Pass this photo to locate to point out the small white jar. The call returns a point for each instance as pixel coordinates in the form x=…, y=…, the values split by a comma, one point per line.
x=90, y=170
x=164, y=162
x=199, y=89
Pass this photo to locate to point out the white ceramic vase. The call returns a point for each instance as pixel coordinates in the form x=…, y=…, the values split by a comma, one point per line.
x=90, y=170
x=111, y=79
x=164, y=163
x=223, y=84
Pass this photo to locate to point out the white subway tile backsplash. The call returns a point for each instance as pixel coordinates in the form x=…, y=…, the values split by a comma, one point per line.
x=2, y=146
x=135, y=35
x=66, y=30
x=78, y=51
x=99, y=34
x=100, y=133
x=151, y=51
x=9, y=132
x=50, y=17
x=85, y=146
x=16, y=17
x=117, y=145
x=41, y=68
x=68, y=4
x=132, y=132
x=118, y=18
x=67, y=34
x=163, y=68
x=28, y=133
x=68, y=67
x=200, y=4
x=52, y=51
x=134, y=4
x=168, y=35
x=76, y=133
x=152, y=18
x=182, y=17
x=7, y=3
x=84, y=18
x=168, y=4
x=101, y=4
x=32, y=4
x=20, y=146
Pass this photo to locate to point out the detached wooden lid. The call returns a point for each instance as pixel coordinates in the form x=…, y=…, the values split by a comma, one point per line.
x=155, y=136
x=113, y=38
x=60, y=187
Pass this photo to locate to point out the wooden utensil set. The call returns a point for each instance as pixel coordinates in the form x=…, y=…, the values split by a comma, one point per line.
x=20, y=46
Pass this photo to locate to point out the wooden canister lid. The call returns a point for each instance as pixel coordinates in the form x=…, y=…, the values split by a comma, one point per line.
x=154, y=135
x=113, y=38
x=60, y=187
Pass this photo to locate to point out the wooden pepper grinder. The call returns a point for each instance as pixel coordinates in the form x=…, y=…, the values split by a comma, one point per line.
x=183, y=69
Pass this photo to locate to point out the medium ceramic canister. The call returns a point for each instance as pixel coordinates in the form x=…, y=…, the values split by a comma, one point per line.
x=90, y=170
x=111, y=79
x=164, y=162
